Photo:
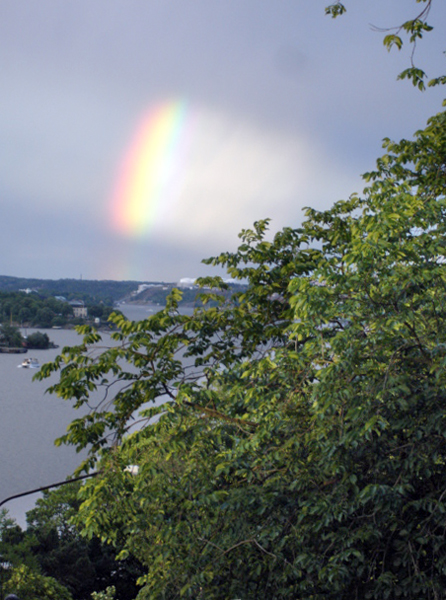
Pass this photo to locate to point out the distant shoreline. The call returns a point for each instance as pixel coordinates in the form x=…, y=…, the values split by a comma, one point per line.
x=6, y=350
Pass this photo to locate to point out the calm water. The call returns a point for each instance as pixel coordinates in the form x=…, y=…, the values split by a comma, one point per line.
x=30, y=421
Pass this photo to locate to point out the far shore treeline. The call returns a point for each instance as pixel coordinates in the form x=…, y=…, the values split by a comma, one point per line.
x=32, y=310
x=94, y=291
x=49, y=303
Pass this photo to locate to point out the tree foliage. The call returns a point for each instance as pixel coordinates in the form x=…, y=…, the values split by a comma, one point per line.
x=10, y=336
x=38, y=340
x=51, y=549
x=90, y=291
x=290, y=441
x=29, y=585
x=81, y=566
x=14, y=545
x=412, y=30
x=31, y=310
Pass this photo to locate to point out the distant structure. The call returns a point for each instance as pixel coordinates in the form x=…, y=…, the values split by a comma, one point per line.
x=142, y=287
x=187, y=282
x=79, y=309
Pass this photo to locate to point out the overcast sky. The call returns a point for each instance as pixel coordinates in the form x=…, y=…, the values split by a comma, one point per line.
x=268, y=107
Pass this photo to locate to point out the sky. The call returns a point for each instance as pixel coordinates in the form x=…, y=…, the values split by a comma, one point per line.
x=138, y=137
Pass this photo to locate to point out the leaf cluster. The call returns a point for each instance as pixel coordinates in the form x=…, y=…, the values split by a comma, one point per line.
x=413, y=29
x=52, y=552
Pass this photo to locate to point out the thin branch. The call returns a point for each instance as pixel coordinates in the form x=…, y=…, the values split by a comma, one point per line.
x=218, y=415
x=48, y=487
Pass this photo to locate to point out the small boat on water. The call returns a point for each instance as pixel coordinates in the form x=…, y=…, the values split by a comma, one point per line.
x=29, y=363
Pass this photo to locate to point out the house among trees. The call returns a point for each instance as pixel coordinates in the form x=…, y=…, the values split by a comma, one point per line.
x=79, y=309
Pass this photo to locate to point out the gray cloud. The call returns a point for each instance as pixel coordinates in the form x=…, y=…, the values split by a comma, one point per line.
x=304, y=103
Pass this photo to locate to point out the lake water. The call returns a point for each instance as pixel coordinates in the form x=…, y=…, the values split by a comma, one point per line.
x=30, y=421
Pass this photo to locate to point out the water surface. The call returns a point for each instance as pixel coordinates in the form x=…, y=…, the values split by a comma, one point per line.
x=30, y=421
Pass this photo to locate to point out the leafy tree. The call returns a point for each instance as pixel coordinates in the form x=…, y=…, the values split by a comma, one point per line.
x=91, y=291
x=10, y=336
x=82, y=566
x=108, y=594
x=95, y=311
x=44, y=317
x=59, y=321
x=100, y=310
x=412, y=29
x=299, y=447
x=14, y=545
x=25, y=315
x=39, y=311
x=38, y=340
x=29, y=585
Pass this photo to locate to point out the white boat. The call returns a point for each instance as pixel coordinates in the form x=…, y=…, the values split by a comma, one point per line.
x=30, y=363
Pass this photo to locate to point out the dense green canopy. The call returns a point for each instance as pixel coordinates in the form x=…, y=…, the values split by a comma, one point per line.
x=299, y=448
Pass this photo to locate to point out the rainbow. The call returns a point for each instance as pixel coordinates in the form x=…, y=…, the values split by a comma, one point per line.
x=150, y=174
